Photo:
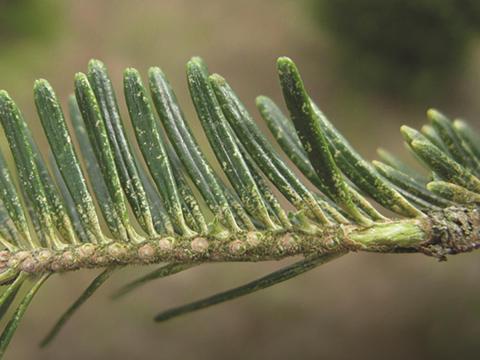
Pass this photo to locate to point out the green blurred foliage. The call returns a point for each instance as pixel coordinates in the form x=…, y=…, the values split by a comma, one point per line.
x=405, y=47
x=28, y=20
x=29, y=29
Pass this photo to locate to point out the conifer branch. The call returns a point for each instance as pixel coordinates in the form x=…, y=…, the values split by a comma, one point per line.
x=166, y=203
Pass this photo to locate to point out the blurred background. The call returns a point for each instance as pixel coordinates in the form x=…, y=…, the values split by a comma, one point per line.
x=372, y=65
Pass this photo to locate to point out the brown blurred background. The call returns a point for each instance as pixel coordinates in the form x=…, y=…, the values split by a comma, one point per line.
x=372, y=65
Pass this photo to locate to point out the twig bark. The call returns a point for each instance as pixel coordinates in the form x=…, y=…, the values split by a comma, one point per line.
x=450, y=231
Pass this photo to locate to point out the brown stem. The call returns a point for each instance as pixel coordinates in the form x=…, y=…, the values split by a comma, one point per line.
x=450, y=231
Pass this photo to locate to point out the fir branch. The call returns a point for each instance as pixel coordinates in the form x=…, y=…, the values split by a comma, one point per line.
x=183, y=213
